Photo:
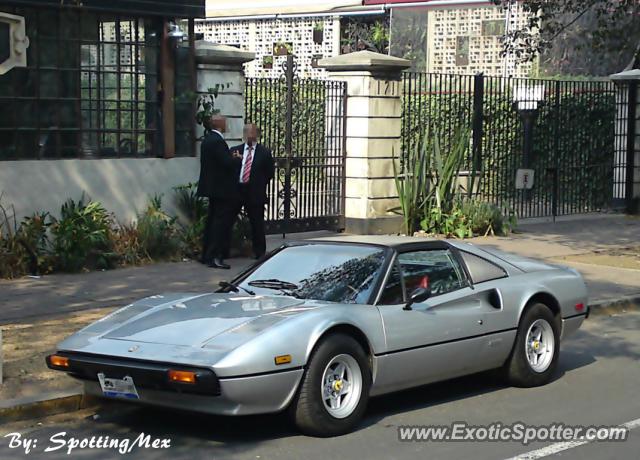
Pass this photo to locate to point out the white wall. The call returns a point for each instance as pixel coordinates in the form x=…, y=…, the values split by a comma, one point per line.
x=123, y=186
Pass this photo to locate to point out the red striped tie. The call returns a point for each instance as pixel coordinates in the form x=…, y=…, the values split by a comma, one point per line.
x=247, y=166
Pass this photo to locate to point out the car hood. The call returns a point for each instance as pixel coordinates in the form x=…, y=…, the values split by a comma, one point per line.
x=195, y=320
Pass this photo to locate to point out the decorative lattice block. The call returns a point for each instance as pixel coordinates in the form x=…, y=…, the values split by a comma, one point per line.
x=484, y=50
x=260, y=35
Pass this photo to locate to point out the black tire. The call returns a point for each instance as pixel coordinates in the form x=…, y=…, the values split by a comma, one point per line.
x=518, y=371
x=308, y=410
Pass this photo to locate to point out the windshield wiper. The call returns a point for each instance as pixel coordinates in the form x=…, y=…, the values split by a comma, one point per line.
x=234, y=287
x=279, y=285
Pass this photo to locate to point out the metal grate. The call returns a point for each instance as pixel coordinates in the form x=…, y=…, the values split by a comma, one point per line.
x=303, y=124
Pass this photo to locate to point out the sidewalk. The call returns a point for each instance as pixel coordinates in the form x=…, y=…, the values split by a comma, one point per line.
x=561, y=242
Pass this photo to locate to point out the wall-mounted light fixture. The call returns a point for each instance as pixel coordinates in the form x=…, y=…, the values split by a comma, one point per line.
x=175, y=33
x=13, y=42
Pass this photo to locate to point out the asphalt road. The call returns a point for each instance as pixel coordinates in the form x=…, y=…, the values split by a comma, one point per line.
x=597, y=384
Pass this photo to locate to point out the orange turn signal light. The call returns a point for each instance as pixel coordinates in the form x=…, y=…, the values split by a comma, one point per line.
x=59, y=361
x=182, y=376
x=282, y=359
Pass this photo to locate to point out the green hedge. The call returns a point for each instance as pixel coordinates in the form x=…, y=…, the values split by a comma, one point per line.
x=578, y=139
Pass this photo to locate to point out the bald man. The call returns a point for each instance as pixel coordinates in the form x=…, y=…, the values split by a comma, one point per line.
x=217, y=183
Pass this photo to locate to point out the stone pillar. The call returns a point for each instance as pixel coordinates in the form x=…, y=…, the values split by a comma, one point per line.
x=374, y=111
x=222, y=64
x=627, y=141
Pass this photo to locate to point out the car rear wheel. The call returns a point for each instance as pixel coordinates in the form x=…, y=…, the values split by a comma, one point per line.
x=534, y=357
x=334, y=391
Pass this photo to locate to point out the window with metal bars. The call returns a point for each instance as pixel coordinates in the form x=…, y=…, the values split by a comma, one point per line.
x=90, y=89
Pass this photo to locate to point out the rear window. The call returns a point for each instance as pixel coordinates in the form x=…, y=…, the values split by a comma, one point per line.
x=481, y=270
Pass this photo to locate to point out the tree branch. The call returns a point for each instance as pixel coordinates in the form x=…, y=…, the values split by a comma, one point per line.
x=635, y=60
x=570, y=23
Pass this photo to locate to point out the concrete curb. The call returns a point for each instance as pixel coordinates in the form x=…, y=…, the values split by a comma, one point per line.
x=14, y=410
x=630, y=301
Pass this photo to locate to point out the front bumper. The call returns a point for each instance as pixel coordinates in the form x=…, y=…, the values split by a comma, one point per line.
x=571, y=324
x=261, y=394
x=243, y=395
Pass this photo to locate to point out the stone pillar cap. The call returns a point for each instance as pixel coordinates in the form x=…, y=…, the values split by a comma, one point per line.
x=626, y=75
x=214, y=53
x=364, y=61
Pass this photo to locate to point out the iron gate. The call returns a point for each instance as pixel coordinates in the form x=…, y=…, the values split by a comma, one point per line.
x=303, y=123
x=563, y=130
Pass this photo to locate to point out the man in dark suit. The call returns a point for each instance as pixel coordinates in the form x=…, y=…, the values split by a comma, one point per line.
x=218, y=183
x=253, y=177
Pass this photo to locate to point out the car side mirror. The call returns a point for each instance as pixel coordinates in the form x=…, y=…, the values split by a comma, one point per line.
x=419, y=295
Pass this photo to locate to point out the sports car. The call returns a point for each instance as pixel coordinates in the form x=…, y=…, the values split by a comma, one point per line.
x=320, y=326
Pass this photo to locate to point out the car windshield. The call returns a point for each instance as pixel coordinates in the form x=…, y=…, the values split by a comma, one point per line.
x=330, y=272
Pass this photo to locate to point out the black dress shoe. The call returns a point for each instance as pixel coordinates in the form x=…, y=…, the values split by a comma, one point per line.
x=219, y=263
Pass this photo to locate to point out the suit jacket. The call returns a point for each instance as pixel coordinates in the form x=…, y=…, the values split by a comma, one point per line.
x=217, y=168
x=262, y=171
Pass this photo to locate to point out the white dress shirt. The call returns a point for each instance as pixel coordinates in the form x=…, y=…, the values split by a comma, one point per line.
x=245, y=154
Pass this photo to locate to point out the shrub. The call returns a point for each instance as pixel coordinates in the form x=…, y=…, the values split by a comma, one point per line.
x=193, y=210
x=33, y=235
x=451, y=224
x=126, y=244
x=11, y=252
x=486, y=218
x=82, y=237
x=157, y=234
x=192, y=207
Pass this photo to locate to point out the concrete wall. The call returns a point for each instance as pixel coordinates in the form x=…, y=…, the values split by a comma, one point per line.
x=122, y=185
x=230, y=101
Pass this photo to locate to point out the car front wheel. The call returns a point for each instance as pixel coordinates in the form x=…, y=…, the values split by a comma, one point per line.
x=334, y=391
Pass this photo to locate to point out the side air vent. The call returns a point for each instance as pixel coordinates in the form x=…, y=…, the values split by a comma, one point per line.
x=495, y=299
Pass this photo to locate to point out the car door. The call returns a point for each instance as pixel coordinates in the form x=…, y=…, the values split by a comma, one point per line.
x=438, y=338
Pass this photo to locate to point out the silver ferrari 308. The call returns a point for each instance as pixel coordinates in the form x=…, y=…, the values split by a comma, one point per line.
x=319, y=326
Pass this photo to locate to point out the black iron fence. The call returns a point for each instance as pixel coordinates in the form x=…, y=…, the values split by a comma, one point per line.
x=303, y=123
x=562, y=130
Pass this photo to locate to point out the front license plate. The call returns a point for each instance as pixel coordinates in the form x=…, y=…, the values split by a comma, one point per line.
x=118, y=388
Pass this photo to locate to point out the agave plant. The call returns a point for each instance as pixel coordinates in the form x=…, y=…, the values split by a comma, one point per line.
x=411, y=184
x=444, y=171
x=429, y=189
